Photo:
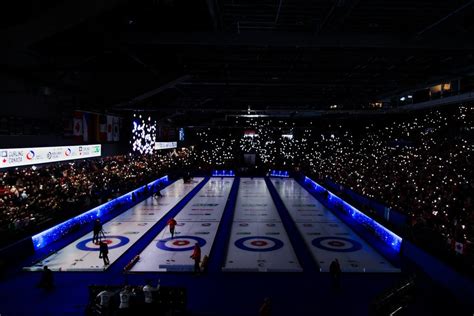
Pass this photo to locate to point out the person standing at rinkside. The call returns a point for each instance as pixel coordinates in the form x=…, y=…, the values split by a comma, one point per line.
x=104, y=252
x=148, y=292
x=104, y=300
x=266, y=308
x=46, y=279
x=97, y=229
x=125, y=295
x=335, y=272
x=197, y=257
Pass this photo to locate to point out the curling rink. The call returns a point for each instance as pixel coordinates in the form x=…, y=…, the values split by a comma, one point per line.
x=325, y=235
x=258, y=240
x=197, y=222
x=121, y=232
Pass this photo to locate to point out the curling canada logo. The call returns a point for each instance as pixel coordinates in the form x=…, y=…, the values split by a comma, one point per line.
x=4, y=156
x=30, y=155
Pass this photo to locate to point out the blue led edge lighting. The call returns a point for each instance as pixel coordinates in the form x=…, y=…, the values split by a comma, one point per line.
x=279, y=173
x=223, y=173
x=387, y=236
x=56, y=232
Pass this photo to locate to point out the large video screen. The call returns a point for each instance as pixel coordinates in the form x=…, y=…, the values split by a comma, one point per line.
x=143, y=135
x=16, y=157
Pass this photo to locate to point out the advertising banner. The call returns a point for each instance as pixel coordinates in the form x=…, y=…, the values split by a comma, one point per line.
x=15, y=157
x=165, y=145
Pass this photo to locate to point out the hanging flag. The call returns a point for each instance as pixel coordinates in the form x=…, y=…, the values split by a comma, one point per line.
x=110, y=128
x=85, y=126
x=116, y=132
x=103, y=128
x=77, y=127
x=77, y=124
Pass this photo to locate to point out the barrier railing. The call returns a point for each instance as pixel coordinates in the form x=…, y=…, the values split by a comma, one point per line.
x=279, y=173
x=223, y=173
x=54, y=233
x=388, y=237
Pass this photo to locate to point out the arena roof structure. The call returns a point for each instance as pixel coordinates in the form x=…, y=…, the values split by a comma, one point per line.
x=176, y=56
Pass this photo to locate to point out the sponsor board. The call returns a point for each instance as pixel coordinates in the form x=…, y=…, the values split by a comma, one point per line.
x=16, y=157
x=165, y=145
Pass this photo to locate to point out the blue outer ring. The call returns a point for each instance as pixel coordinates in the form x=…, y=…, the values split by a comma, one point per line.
x=240, y=243
x=162, y=243
x=317, y=242
x=83, y=244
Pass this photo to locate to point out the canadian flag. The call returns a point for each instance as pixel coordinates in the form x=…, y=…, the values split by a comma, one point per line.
x=77, y=124
x=110, y=128
x=86, y=118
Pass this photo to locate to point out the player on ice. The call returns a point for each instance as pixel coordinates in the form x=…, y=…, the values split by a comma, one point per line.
x=172, y=224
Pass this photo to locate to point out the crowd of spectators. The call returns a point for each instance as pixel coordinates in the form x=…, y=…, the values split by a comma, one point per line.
x=131, y=300
x=33, y=198
x=418, y=163
x=421, y=166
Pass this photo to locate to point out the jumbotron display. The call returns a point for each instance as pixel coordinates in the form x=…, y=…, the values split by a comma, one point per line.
x=16, y=157
x=143, y=135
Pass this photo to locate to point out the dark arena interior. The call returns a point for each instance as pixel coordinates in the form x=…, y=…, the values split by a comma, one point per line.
x=237, y=157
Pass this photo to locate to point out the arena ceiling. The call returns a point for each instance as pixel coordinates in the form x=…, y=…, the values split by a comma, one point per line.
x=176, y=56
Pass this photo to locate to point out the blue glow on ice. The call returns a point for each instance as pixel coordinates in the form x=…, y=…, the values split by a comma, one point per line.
x=56, y=232
x=223, y=173
x=279, y=173
x=387, y=236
